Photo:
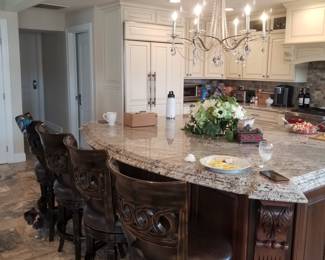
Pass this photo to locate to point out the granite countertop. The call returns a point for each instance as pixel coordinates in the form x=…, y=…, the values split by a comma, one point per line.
x=162, y=150
x=280, y=110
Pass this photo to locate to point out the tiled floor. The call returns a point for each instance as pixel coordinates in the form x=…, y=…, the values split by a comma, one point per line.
x=19, y=192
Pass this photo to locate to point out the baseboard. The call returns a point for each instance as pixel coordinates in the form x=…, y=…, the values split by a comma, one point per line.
x=18, y=157
x=55, y=127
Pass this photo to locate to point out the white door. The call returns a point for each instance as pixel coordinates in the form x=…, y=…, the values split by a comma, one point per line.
x=278, y=67
x=168, y=71
x=159, y=68
x=256, y=64
x=137, y=82
x=195, y=66
x=175, y=78
x=30, y=73
x=84, y=96
x=3, y=133
x=84, y=78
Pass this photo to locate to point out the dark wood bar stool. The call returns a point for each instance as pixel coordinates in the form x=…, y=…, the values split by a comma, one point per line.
x=70, y=203
x=155, y=218
x=45, y=203
x=90, y=176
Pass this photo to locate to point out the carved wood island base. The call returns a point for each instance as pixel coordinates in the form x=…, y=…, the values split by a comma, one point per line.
x=263, y=219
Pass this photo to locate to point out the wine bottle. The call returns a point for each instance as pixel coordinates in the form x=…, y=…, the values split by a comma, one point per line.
x=301, y=98
x=307, y=99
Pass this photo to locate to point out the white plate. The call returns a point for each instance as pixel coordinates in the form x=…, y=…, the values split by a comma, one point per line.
x=243, y=165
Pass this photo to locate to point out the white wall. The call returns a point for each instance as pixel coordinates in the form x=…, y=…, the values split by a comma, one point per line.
x=80, y=17
x=42, y=19
x=108, y=44
x=14, y=89
x=55, y=78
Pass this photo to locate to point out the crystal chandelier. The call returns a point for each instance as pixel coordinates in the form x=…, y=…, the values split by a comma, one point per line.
x=216, y=40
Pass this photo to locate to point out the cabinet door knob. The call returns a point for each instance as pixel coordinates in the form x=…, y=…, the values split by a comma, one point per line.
x=267, y=76
x=263, y=76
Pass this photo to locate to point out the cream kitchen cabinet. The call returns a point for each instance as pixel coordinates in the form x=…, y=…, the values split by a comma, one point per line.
x=255, y=67
x=234, y=70
x=305, y=22
x=150, y=73
x=279, y=68
x=267, y=61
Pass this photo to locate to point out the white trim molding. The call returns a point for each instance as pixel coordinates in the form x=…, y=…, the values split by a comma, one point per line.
x=72, y=74
x=12, y=157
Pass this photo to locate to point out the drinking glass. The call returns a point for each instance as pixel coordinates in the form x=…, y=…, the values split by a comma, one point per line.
x=265, y=150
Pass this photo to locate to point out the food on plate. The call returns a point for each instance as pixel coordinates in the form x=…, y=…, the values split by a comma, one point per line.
x=223, y=165
x=304, y=128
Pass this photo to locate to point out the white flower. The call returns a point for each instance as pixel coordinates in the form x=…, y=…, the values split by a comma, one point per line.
x=209, y=103
x=239, y=113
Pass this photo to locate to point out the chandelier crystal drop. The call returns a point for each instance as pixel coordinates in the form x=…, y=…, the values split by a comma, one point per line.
x=216, y=40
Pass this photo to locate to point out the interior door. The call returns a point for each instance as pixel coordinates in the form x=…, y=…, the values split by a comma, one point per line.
x=137, y=83
x=30, y=70
x=84, y=78
x=3, y=132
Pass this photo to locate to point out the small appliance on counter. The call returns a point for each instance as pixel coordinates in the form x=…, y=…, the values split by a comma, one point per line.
x=283, y=96
x=244, y=95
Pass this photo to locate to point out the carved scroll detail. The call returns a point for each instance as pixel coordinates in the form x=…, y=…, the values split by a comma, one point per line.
x=151, y=224
x=273, y=225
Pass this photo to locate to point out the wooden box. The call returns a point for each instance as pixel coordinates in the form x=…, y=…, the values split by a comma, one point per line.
x=140, y=119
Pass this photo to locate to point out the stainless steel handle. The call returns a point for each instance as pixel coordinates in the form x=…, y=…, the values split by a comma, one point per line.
x=149, y=88
x=155, y=88
x=78, y=99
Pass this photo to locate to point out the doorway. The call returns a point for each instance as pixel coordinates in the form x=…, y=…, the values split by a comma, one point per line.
x=81, y=89
x=31, y=73
x=3, y=119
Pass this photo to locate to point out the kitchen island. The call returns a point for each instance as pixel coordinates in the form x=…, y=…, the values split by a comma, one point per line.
x=275, y=220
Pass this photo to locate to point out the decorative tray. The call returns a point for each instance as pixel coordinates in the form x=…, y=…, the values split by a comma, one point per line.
x=249, y=135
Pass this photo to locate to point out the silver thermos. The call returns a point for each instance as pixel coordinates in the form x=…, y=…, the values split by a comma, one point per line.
x=171, y=106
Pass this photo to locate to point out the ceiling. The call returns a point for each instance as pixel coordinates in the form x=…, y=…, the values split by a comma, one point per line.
x=186, y=4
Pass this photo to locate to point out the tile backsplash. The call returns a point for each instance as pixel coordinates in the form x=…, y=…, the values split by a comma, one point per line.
x=315, y=82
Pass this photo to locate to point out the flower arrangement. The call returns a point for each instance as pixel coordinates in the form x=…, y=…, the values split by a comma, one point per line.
x=215, y=117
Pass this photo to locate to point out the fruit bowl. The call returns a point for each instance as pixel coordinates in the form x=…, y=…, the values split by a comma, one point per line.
x=304, y=128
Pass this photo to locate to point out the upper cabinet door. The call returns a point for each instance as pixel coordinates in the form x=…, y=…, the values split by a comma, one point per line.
x=137, y=69
x=305, y=22
x=256, y=64
x=233, y=68
x=195, y=66
x=279, y=68
x=213, y=70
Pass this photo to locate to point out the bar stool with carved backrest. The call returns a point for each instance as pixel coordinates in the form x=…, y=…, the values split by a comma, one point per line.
x=154, y=216
x=90, y=171
x=27, y=125
x=67, y=197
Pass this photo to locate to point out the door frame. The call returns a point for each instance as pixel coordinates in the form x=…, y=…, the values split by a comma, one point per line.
x=39, y=47
x=71, y=34
x=7, y=90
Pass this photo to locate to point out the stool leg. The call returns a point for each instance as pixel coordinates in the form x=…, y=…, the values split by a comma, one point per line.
x=77, y=213
x=90, y=248
x=51, y=212
x=62, y=223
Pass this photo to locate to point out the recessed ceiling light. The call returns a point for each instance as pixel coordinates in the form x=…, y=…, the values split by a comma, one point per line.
x=229, y=9
x=174, y=1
